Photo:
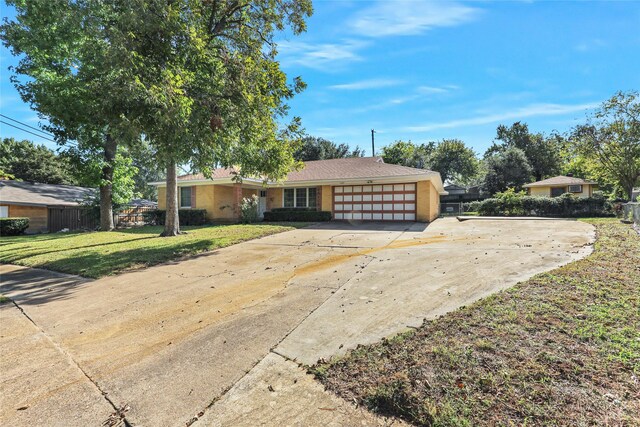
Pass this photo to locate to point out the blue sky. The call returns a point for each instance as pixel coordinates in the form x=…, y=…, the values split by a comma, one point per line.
x=425, y=71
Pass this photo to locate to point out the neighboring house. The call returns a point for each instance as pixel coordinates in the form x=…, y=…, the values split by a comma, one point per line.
x=558, y=185
x=358, y=188
x=47, y=206
x=458, y=193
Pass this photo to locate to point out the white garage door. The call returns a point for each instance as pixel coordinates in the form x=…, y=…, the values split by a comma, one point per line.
x=388, y=202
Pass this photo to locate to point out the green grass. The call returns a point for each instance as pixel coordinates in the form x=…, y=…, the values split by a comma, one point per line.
x=562, y=348
x=100, y=254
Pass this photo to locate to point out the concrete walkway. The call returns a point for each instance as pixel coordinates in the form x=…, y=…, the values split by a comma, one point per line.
x=217, y=339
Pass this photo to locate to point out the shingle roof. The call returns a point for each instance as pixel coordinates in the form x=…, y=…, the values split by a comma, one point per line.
x=33, y=193
x=319, y=170
x=560, y=180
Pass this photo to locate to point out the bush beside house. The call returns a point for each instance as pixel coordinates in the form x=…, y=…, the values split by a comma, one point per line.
x=186, y=216
x=13, y=226
x=511, y=203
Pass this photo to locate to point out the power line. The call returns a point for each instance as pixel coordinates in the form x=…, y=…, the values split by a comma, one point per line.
x=24, y=124
x=27, y=131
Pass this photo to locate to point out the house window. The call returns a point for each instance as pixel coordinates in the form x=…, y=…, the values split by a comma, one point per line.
x=4, y=211
x=575, y=189
x=558, y=191
x=299, y=198
x=185, y=197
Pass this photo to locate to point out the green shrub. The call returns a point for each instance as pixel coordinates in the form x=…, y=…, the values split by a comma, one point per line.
x=13, y=226
x=293, y=214
x=565, y=206
x=186, y=216
x=249, y=210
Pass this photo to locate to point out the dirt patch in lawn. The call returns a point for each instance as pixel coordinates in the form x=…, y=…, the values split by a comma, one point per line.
x=561, y=348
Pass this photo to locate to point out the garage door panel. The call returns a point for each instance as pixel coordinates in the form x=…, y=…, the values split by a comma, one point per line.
x=391, y=202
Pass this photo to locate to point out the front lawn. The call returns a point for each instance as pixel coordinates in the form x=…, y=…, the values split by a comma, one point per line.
x=562, y=348
x=100, y=254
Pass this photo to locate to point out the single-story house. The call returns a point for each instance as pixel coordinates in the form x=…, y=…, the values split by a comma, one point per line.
x=458, y=194
x=49, y=207
x=357, y=188
x=558, y=185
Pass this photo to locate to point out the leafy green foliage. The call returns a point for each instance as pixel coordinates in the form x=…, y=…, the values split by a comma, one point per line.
x=314, y=148
x=454, y=160
x=406, y=153
x=611, y=140
x=507, y=169
x=13, y=226
x=511, y=203
x=543, y=153
x=27, y=161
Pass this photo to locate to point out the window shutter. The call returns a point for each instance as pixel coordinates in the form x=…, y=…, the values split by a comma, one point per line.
x=193, y=197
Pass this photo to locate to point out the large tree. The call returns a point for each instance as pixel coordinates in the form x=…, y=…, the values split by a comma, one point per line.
x=506, y=169
x=406, y=153
x=611, y=138
x=314, y=148
x=454, y=160
x=74, y=71
x=542, y=152
x=214, y=91
x=31, y=162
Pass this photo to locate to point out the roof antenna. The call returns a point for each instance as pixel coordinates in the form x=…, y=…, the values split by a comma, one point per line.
x=373, y=143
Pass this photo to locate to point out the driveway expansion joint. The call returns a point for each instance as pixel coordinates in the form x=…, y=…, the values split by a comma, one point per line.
x=117, y=417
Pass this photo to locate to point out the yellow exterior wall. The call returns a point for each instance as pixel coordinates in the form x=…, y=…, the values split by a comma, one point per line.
x=275, y=196
x=162, y=197
x=587, y=190
x=38, y=217
x=327, y=198
x=224, y=199
x=205, y=199
x=427, y=202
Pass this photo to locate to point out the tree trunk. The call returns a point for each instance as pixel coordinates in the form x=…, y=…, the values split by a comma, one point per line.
x=172, y=222
x=106, y=187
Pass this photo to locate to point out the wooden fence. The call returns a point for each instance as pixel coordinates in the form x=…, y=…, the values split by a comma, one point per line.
x=71, y=218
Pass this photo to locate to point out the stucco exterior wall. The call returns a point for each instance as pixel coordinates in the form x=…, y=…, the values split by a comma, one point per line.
x=587, y=190
x=427, y=202
x=327, y=198
x=38, y=217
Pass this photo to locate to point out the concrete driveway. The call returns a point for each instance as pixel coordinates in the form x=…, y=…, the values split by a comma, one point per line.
x=218, y=339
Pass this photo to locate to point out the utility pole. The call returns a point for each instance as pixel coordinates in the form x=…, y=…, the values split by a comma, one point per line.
x=373, y=143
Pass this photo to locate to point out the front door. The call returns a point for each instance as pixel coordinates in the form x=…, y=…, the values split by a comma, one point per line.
x=262, y=203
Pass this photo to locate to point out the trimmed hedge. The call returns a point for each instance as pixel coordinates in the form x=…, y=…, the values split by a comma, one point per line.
x=565, y=206
x=293, y=214
x=186, y=216
x=13, y=226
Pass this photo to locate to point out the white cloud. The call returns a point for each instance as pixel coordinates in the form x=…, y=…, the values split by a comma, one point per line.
x=321, y=55
x=367, y=84
x=517, y=114
x=589, y=45
x=405, y=17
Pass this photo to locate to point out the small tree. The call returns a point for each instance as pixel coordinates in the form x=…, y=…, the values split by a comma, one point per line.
x=611, y=137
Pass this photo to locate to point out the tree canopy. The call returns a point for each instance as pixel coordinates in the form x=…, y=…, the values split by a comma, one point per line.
x=454, y=160
x=542, y=152
x=506, y=169
x=406, y=153
x=31, y=162
x=611, y=139
x=315, y=148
